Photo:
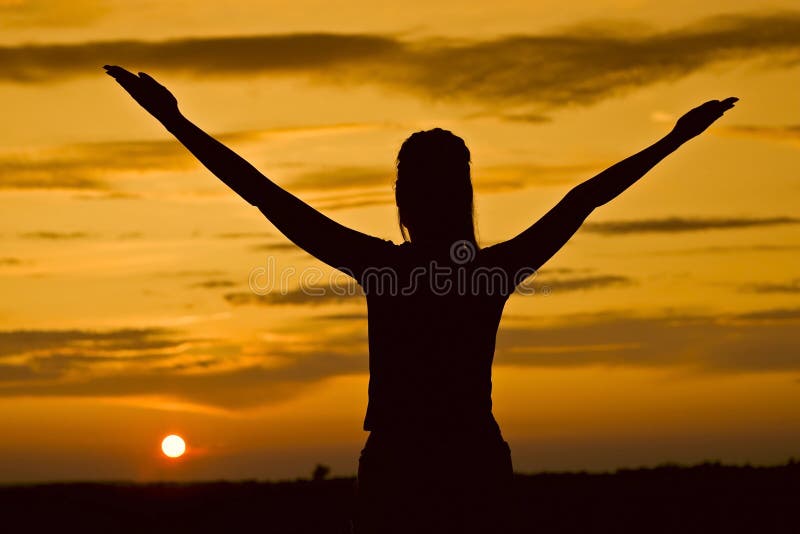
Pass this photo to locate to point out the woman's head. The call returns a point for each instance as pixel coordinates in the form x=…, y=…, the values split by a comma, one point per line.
x=434, y=189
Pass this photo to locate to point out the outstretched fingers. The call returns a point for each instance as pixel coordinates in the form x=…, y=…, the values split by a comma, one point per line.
x=119, y=73
x=729, y=102
x=725, y=104
x=128, y=80
x=718, y=107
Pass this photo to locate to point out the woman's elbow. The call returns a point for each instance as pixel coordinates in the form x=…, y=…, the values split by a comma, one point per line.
x=583, y=198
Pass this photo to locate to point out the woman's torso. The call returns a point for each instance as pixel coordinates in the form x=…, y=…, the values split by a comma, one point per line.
x=433, y=320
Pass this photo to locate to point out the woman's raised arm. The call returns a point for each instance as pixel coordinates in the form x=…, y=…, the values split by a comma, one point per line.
x=338, y=246
x=525, y=253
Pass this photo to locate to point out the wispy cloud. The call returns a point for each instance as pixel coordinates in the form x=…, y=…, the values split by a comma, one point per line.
x=241, y=388
x=732, y=249
x=343, y=178
x=213, y=56
x=163, y=363
x=237, y=388
x=761, y=341
x=570, y=66
x=341, y=202
x=683, y=224
x=355, y=187
x=214, y=284
x=527, y=174
x=285, y=246
x=779, y=314
x=789, y=287
x=20, y=342
x=85, y=166
x=550, y=286
x=307, y=296
x=359, y=317
x=787, y=133
x=239, y=375
x=88, y=166
x=244, y=235
x=54, y=236
x=352, y=293
x=190, y=273
x=520, y=116
x=485, y=178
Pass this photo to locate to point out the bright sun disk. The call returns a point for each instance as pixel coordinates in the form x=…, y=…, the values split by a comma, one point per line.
x=173, y=446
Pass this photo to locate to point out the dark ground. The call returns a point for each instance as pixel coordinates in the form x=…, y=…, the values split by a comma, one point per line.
x=705, y=498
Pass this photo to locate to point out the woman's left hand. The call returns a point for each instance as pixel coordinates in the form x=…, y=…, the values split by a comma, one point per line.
x=150, y=94
x=695, y=121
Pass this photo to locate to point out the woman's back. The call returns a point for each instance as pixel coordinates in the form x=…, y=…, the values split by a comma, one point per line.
x=433, y=319
x=435, y=459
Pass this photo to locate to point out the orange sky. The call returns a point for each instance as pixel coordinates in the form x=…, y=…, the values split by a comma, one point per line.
x=670, y=329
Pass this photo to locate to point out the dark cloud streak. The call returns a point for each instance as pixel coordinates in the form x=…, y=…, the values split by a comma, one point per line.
x=15, y=342
x=213, y=56
x=347, y=294
x=310, y=296
x=792, y=287
x=790, y=133
x=763, y=341
x=562, y=285
x=154, y=361
x=55, y=236
x=150, y=361
x=85, y=166
x=534, y=72
x=683, y=224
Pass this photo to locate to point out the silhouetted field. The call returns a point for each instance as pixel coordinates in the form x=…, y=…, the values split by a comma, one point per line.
x=705, y=498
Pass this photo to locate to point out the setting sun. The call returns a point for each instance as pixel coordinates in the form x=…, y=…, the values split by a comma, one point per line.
x=173, y=446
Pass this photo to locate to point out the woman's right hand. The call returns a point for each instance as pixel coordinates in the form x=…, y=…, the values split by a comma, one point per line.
x=694, y=122
x=150, y=94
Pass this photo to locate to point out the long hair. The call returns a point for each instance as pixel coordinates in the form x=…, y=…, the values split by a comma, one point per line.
x=433, y=189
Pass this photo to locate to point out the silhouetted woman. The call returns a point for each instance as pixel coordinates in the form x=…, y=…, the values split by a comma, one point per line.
x=435, y=460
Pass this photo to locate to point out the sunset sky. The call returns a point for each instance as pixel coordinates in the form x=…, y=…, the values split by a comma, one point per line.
x=669, y=327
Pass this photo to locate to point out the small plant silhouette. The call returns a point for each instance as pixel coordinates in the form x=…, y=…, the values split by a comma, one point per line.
x=320, y=472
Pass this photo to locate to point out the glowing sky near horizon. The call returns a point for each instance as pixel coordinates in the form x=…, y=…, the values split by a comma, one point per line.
x=670, y=333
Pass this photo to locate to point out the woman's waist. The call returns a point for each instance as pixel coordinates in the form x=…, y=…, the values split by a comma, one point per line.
x=451, y=444
x=479, y=425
